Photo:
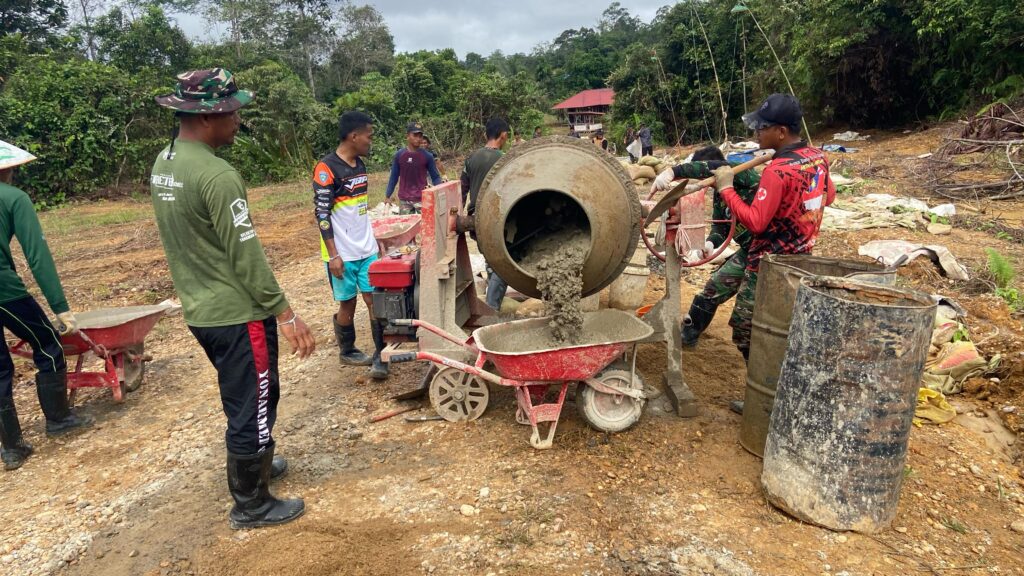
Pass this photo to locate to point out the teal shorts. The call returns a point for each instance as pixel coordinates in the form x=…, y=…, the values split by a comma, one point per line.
x=356, y=279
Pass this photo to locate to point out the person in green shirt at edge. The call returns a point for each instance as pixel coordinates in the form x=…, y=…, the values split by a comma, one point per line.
x=231, y=301
x=473, y=173
x=22, y=315
x=725, y=282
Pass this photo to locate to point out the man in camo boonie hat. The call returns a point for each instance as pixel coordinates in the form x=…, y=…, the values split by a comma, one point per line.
x=206, y=92
x=231, y=301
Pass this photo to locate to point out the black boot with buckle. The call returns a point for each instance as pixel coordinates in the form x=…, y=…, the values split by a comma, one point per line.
x=697, y=321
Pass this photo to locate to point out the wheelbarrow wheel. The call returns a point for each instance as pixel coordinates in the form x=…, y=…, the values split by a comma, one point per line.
x=610, y=412
x=458, y=396
x=135, y=370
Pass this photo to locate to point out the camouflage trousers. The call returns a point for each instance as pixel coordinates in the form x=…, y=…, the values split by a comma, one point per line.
x=723, y=285
x=743, y=313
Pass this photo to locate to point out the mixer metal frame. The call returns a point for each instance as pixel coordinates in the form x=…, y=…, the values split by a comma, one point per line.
x=447, y=292
x=665, y=318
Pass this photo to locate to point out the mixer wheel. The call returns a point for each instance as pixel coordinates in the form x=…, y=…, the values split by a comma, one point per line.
x=458, y=396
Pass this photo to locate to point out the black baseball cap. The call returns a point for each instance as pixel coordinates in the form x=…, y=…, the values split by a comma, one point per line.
x=776, y=110
x=414, y=128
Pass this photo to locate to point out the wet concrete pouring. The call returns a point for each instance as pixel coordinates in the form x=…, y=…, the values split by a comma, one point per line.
x=557, y=263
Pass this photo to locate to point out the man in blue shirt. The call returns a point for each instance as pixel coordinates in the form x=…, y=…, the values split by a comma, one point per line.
x=409, y=170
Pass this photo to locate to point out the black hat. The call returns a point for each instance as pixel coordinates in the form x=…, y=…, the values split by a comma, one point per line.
x=776, y=110
x=414, y=128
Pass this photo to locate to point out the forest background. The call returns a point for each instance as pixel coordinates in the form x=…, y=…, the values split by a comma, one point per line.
x=78, y=77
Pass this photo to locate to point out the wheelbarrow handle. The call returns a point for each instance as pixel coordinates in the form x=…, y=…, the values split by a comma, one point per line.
x=97, y=349
x=403, y=357
x=461, y=341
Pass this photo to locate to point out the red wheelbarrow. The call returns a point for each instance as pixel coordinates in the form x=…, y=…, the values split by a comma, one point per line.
x=115, y=335
x=610, y=395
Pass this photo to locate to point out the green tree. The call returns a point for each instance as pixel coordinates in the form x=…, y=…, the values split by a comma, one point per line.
x=364, y=45
x=149, y=43
x=304, y=31
x=287, y=129
x=978, y=48
x=91, y=126
x=37, y=20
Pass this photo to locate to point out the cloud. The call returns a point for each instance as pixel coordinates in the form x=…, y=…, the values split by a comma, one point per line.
x=480, y=26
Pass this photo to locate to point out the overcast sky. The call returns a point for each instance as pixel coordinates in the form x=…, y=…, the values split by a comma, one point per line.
x=480, y=26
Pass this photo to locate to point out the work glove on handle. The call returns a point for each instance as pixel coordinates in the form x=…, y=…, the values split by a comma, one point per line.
x=723, y=177
x=699, y=254
x=663, y=181
x=67, y=323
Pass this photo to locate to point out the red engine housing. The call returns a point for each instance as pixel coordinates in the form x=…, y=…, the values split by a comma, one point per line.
x=394, y=272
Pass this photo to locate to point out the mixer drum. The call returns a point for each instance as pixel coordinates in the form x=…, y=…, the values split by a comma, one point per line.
x=544, y=186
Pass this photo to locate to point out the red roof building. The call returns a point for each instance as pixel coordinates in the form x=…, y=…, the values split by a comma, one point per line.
x=584, y=110
x=588, y=99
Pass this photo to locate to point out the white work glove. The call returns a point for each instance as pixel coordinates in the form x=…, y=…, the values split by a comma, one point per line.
x=693, y=256
x=723, y=177
x=663, y=181
x=700, y=254
x=67, y=323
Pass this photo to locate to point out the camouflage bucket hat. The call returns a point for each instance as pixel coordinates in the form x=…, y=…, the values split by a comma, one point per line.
x=206, y=92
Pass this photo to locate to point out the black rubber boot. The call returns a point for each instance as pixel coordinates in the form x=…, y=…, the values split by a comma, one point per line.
x=697, y=321
x=278, y=467
x=255, y=506
x=348, y=353
x=52, y=388
x=13, y=448
x=379, y=369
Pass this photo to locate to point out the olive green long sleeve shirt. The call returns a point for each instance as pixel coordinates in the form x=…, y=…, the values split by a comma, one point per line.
x=218, y=265
x=18, y=220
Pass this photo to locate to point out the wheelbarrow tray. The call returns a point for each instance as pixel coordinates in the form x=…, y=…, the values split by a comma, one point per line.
x=395, y=231
x=113, y=328
x=606, y=335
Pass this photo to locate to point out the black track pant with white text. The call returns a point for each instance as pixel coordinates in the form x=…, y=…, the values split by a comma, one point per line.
x=26, y=320
x=245, y=356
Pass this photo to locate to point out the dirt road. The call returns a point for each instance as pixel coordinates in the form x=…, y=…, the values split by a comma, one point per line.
x=143, y=492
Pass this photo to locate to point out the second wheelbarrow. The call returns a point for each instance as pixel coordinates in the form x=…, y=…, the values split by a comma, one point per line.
x=116, y=335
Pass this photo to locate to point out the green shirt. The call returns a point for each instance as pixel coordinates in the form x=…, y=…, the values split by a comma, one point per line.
x=217, y=263
x=18, y=220
x=473, y=173
x=745, y=183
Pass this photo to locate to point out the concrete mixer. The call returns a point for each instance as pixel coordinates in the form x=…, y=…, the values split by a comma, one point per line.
x=545, y=185
x=537, y=190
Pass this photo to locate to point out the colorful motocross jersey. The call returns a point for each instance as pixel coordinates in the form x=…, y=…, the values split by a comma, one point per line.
x=339, y=192
x=786, y=214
